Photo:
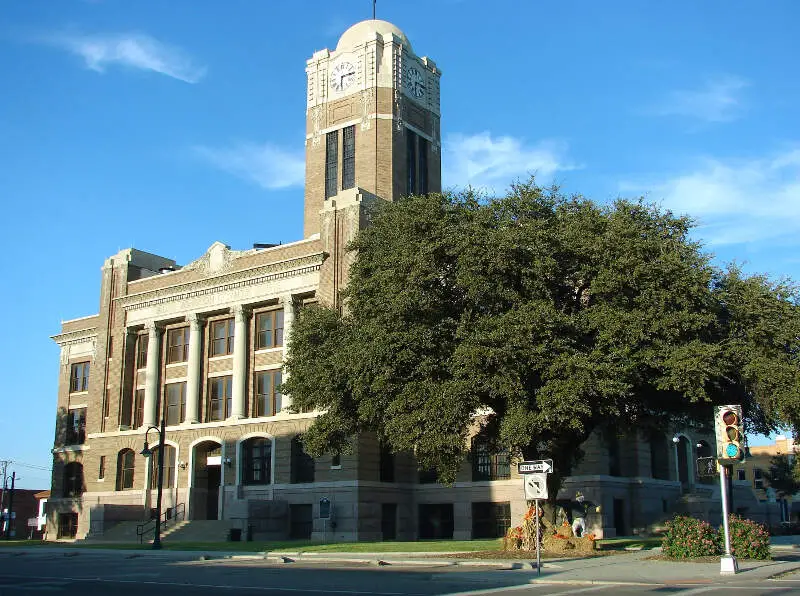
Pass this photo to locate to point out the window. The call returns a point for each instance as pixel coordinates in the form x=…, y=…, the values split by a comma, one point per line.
x=138, y=410
x=349, y=157
x=222, y=337
x=331, y=162
x=101, y=472
x=489, y=463
x=257, y=461
x=67, y=525
x=220, y=392
x=386, y=464
x=169, y=467
x=490, y=520
x=79, y=377
x=73, y=480
x=125, y=468
x=269, y=329
x=176, y=402
x=76, y=427
x=336, y=460
x=141, y=351
x=302, y=463
x=416, y=163
x=178, y=345
x=758, y=479
x=268, y=401
x=741, y=474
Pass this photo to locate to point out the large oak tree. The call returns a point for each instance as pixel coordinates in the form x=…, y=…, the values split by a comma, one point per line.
x=551, y=314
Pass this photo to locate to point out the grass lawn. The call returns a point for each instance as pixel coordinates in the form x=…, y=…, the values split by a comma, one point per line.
x=300, y=546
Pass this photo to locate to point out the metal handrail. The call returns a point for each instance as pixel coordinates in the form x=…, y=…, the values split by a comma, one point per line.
x=174, y=514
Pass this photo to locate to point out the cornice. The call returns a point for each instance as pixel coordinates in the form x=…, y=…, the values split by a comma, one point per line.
x=224, y=282
x=74, y=337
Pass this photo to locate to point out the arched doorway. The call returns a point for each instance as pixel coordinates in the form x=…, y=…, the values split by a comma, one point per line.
x=206, y=479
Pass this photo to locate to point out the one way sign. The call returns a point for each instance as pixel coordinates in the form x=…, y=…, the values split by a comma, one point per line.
x=540, y=466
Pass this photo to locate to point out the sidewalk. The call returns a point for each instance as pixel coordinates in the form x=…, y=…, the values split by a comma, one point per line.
x=633, y=568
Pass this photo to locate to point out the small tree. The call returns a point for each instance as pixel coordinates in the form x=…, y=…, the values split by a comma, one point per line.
x=784, y=475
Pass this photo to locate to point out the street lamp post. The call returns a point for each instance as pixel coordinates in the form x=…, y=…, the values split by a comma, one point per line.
x=147, y=452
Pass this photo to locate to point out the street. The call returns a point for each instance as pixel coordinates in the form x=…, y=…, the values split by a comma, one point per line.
x=89, y=573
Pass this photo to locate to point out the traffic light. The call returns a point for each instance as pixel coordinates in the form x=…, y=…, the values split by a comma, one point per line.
x=730, y=433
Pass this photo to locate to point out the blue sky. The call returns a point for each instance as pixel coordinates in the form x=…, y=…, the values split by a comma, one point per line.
x=169, y=125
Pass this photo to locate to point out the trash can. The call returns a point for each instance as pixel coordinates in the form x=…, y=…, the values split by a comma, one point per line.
x=235, y=535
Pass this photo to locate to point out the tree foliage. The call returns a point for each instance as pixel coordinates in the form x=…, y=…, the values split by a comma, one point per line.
x=784, y=475
x=551, y=313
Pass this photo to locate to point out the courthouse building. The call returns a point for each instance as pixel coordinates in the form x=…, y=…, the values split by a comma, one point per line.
x=203, y=346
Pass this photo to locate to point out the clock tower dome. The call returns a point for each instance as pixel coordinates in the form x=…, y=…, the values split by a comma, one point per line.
x=372, y=123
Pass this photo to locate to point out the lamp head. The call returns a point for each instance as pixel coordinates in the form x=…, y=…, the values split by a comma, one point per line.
x=147, y=452
x=676, y=439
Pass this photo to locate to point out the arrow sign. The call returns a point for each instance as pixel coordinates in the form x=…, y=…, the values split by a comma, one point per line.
x=540, y=466
x=535, y=486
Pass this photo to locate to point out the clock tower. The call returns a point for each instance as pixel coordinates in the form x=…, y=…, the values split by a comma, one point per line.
x=372, y=124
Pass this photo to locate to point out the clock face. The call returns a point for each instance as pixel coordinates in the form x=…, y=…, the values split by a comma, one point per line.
x=343, y=75
x=415, y=82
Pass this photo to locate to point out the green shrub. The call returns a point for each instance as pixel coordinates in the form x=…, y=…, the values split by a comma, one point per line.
x=749, y=540
x=689, y=537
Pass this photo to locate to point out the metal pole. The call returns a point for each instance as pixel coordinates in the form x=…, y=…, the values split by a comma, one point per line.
x=157, y=537
x=538, y=546
x=728, y=565
x=10, y=505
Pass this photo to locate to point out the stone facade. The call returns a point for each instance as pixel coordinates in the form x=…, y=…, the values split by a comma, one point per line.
x=203, y=345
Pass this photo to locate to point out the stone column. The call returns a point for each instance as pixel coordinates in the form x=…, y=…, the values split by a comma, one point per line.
x=193, y=373
x=151, y=384
x=288, y=320
x=239, y=361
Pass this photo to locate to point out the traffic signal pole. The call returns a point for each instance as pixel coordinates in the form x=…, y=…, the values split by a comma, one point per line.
x=728, y=565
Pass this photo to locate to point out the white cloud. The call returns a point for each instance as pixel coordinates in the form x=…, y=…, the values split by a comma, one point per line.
x=486, y=162
x=736, y=201
x=718, y=101
x=133, y=50
x=266, y=165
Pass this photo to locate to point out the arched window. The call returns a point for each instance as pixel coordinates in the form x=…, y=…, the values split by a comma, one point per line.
x=488, y=461
x=659, y=456
x=257, y=461
x=302, y=463
x=73, y=480
x=126, y=461
x=169, y=467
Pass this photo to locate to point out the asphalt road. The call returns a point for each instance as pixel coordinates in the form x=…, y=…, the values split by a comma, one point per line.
x=119, y=574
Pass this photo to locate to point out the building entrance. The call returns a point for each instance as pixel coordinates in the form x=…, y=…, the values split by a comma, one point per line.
x=206, y=480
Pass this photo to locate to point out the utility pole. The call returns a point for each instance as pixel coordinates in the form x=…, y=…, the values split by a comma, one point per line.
x=4, y=464
x=10, y=504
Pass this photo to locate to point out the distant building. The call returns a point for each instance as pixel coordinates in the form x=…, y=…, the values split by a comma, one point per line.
x=24, y=506
x=203, y=345
x=754, y=473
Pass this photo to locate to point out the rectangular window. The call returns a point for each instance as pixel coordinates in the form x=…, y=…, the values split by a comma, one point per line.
x=268, y=401
x=349, y=157
x=269, y=329
x=76, y=427
x=67, y=525
x=79, y=377
x=331, y=163
x=101, y=473
x=411, y=162
x=758, y=479
x=222, y=337
x=176, y=402
x=138, y=408
x=423, y=165
x=177, y=345
x=741, y=475
x=490, y=520
x=220, y=392
x=141, y=351
x=386, y=464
